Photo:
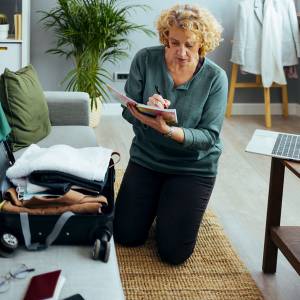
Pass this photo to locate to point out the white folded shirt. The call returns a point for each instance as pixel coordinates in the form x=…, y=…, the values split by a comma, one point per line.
x=89, y=163
x=24, y=186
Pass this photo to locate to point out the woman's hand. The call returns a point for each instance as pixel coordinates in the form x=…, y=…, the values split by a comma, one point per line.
x=157, y=123
x=158, y=101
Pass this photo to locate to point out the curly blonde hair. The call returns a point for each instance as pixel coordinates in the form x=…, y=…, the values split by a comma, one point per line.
x=194, y=18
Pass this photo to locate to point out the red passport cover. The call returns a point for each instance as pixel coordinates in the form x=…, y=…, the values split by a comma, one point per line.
x=42, y=286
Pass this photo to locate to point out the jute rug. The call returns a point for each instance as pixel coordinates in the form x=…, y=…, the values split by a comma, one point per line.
x=213, y=272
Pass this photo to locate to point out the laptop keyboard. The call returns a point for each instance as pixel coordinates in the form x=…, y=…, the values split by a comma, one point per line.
x=287, y=146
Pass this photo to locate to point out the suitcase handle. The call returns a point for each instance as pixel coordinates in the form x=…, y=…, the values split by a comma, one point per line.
x=118, y=160
x=62, y=220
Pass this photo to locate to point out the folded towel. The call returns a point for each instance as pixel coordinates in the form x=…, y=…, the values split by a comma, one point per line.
x=90, y=163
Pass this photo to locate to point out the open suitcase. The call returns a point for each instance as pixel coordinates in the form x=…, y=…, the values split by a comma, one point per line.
x=70, y=229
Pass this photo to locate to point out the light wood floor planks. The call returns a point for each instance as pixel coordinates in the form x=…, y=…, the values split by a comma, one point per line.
x=240, y=195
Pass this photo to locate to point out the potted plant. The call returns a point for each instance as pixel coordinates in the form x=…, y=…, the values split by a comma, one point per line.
x=92, y=33
x=4, y=27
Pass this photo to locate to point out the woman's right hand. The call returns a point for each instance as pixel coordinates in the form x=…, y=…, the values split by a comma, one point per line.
x=158, y=101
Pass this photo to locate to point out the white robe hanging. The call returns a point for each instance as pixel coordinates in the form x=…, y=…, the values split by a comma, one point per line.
x=271, y=53
x=248, y=36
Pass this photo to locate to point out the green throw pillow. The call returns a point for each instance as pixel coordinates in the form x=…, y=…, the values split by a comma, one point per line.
x=25, y=106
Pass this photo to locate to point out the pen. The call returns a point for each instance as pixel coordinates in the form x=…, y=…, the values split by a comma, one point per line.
x=158, y=92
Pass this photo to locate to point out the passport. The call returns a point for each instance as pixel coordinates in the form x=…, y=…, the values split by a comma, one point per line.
x=45, y=286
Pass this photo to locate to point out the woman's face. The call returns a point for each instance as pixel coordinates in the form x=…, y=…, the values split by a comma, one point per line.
x=183, y=46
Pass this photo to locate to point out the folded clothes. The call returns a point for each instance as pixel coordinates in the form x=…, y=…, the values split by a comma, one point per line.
x=27, y=187
x=62, y=182
x=90, y=163
x=84, y=208
x=71, y=201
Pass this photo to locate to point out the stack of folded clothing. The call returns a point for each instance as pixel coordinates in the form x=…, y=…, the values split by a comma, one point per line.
x=54, y=180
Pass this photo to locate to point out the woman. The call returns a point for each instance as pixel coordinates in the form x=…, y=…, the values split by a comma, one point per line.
x=172, y=169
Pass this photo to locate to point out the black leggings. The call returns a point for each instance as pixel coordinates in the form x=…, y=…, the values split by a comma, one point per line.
x=177, y=201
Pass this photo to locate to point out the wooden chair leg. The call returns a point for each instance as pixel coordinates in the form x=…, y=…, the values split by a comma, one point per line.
x=267, y=98
x=258, y=79
x=233, y=80
x=285, y=101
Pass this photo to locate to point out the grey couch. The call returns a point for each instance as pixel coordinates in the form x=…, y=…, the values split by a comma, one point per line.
x=69, y=115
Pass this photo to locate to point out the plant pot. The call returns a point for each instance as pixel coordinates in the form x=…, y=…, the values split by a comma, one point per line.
x=95, y=114
x=4, y=31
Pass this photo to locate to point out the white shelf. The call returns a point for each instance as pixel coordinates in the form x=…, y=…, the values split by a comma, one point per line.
x=11, y=40
x=14, y=53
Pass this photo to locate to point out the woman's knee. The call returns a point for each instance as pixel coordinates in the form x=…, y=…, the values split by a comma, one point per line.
x=128, y=236
x=176, y=254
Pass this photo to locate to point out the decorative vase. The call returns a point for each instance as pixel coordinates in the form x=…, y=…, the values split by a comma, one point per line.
x=4, y=31
x=18, y=26
x=95, y=114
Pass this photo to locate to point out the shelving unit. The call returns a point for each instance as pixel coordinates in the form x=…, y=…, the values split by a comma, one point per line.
x=15, y=54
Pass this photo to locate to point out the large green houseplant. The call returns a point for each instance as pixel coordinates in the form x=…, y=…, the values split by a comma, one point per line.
x=92, y=32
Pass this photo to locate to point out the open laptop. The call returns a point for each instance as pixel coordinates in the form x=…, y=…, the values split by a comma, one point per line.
x=277, y=144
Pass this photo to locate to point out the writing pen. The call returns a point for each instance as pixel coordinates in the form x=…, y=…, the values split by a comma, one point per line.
x=158, y=92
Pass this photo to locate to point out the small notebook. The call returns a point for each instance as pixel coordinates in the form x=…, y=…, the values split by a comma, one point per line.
x=169, y=115
x=46, y=286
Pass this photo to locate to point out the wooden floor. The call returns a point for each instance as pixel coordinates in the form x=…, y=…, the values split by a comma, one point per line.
x=240, y=195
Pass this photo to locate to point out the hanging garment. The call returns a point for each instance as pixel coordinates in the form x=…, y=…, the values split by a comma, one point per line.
x=248, y=36
x=271, y=53
x=290, y=32
x=247, y=41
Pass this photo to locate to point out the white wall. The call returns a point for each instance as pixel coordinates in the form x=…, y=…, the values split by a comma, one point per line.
x=52, y=68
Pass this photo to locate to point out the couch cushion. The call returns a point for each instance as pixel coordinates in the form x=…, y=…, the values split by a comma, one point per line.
x=24, y=104
x=75, y=136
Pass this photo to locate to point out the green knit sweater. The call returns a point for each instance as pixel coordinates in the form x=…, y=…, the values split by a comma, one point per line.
x=200, y=105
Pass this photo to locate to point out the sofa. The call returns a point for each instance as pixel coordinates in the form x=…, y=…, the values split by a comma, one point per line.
x=69, y=116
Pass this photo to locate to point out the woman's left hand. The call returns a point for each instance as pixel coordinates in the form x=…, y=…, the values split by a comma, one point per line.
x=157, y=123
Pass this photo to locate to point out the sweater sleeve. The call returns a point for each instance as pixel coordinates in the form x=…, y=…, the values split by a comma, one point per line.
x=134, y=86
x=205, y=135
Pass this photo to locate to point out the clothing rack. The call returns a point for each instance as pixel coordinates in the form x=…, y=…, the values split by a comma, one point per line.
x=257, y=84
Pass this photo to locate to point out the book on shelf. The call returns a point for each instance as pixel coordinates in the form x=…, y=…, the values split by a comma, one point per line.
x=45, y=286
x=18, y=26
x=169, y=115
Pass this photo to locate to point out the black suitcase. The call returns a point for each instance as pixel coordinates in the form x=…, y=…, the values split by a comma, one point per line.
x=80, y=229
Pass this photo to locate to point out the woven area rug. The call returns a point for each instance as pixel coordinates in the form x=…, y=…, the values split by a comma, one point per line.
x=213, y=272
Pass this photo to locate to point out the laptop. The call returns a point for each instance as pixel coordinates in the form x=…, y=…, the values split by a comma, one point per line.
x=276, y=144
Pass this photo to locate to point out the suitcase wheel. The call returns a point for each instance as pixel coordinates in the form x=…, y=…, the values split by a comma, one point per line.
x=101, y=250
x=8, y=244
